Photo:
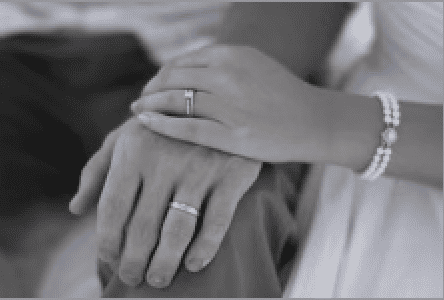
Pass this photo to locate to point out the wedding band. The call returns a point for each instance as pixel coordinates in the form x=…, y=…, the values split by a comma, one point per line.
x=189, y=98
x=185, y=208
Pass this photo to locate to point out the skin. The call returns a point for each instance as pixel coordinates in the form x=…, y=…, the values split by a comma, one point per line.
x=250, y=105
x=303, y=124
x=310, y=42
x=133, y=157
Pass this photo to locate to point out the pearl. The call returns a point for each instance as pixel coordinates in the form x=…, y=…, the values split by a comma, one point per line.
x=390, y=136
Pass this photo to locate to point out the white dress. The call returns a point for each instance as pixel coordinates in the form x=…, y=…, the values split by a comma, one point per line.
x=381, y=238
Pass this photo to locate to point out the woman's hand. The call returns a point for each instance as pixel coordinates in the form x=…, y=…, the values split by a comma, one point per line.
x=246, y=103
x=134, y=174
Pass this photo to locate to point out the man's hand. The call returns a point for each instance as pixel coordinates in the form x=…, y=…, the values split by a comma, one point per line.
x=134, y=175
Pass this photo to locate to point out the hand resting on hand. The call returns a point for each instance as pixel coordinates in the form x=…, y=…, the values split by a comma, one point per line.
x=133, y=176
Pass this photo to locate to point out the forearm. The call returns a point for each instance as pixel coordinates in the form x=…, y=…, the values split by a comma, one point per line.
x=354, y=126
x=299, y=35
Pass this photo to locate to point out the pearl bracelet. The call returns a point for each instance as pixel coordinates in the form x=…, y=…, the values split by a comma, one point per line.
x=388, y=136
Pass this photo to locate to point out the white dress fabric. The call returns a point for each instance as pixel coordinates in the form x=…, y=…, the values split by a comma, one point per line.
x=382, y=238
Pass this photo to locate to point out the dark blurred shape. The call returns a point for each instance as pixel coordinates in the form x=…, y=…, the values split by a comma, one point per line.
x=9, y=283
x=61, y=93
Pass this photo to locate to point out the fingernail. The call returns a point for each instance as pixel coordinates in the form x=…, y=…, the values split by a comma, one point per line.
x=71, y=205
x=205, y=263
x=143, y=118
x=135, y=107
x=74, y=210
x=156, y=280
x=129, y=278
x=194, y=264
x=113, y=264
x=112, y=260
x=75, y=207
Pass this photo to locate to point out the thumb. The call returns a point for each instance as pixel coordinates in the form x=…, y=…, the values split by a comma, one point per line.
x=93, y=177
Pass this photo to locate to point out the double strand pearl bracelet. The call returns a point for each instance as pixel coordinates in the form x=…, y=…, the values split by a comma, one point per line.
x=388, y=136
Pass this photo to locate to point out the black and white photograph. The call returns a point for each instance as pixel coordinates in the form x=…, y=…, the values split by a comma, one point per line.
x=165, y=149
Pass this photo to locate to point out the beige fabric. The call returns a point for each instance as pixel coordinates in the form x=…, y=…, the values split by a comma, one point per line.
x=168, y=29
x=72, y=271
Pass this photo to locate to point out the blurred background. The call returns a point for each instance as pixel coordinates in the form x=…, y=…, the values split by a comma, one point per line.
x=44, y=251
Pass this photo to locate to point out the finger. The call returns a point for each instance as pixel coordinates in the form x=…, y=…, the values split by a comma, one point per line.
x=116, y=201
x=207, y=56
x=93, y=177
x=179, y=226
x=199, y=131
x=200, y=58
x=176, y=234
x=143, y=230
x=173, y=78
x=173, y=102
x=220, y=212
x=203, y=57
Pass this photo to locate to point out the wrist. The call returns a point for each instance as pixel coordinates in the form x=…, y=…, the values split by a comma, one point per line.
x=353, y=127
x=316, y=116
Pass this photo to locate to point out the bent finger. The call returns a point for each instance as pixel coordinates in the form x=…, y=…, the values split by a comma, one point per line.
x=207, y=56
x=174, y=102
x=220, y=212
x=143, y=230
x=177, y=231
x=173, y=78
x=93, y=177
x=199, y=131
x=179, y=226
x=116, y=201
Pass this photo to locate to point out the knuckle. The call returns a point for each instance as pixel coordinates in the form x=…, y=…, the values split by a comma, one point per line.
x=108, y=239
x=236, y=160
x=208, y=246
x=108, y=250
x=223, y=78
x=130, y=277
x=143, y=230
x=171, y=98
x=164, y=76
x=179, y=232
x=234, y=164
x=111, y=206
x=226, y=51
x=218, y=226
x=131, y=272
x=222, y=191
x=191, y=130
x=200, y=167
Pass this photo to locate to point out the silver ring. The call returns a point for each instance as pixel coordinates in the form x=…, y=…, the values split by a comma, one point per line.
x=185, y=208
x=189, y=98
